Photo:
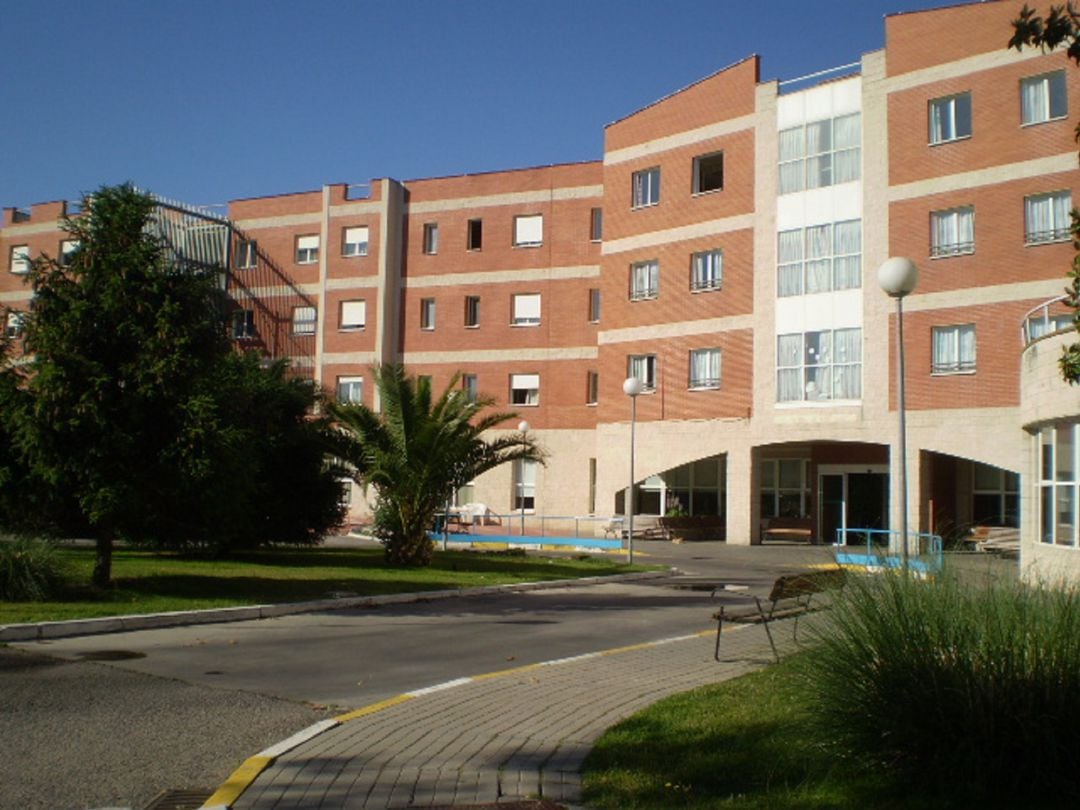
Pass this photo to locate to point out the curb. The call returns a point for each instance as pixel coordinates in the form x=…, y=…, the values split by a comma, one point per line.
x=40, y=631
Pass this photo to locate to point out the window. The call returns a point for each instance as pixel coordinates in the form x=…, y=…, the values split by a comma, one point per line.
x=645, y=187
x=995, y=496
x=243, y=324
x=307, y=249
x=303, y=320
x=529, y=230
x=596, y=224
x=427, y=313
x=1059, y=485
x=470, y=386
x=247, y=254
x=644, y=280
x=594, y=305
x=350, y=390
x=353, y=315
x=472, y=311
x=67, y=248
x=354, y=241
x=643, y=366
x=819, y=259
x=706, y=270
x=592, y=388
x=1047, y=217
x=821, y=153
x=20, y=259
x=954, y=349
x=1043, y=98
x=705, y=368
x=524, y=389
x=952, y=232
x=950, y=118
x=819, y=366
x=14, y=327
x=474, y=236
x=431, y=237
x=709, y=173
x=785, y=487
x=526, y=310
x=524, y=484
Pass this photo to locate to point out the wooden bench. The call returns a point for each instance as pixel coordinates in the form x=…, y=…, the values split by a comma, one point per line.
x=791, y=596
x=649, y=533
x=787, y=528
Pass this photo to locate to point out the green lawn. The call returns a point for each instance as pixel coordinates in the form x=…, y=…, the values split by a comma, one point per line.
x=146, y=582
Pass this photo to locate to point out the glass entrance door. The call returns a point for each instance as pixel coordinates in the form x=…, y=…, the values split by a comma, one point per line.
x=852, y=497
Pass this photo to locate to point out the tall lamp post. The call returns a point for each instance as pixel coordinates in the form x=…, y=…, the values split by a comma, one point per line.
x=898, y=277
x=631, y=387
x=523, y=426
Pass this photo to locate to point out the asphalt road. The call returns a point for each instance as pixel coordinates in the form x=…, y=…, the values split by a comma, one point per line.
x=182, y=707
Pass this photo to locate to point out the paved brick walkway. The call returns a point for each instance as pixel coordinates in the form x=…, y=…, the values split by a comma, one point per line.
x=522, y=733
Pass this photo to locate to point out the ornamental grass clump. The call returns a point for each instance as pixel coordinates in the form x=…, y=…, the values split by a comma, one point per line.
x=31, y=569
x=970, y=689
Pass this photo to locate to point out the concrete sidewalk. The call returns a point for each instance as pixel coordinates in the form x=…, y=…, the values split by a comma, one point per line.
x=521, y=733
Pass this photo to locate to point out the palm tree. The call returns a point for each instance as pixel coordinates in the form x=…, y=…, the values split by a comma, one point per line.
x=416, y=452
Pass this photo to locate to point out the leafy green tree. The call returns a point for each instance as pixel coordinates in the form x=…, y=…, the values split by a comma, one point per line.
x=417, y=451
x=1060, y=28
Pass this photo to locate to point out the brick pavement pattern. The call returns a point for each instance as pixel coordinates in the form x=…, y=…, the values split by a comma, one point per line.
x=522, y=733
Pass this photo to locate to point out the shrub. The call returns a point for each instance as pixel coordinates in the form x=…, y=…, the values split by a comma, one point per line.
x=972, y=689
x=31, y=569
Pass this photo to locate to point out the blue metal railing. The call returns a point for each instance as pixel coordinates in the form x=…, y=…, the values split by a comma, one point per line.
x=882, y=549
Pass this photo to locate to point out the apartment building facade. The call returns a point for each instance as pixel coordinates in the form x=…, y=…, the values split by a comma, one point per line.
x=724, y=251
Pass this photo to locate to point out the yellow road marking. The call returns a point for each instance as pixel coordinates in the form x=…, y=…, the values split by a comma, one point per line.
x=239, y=781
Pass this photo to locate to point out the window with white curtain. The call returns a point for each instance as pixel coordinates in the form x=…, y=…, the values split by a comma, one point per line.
x=353, y=314
x=247, y=254
x=644, y=280
x=350, y=390
x=431, y=238
x=819, y=258
x=643, y=366
x=954, y=349
x=707, y=270
x=470, y=386
x=307, y=249
x=67, y=248
x=950, y=118
x=20, y=259
x=1059, y=485
x=526, y=309
x=1043, y=98
x=524, y=389
x=645, y=187
x=952, y=232
x=427, y=313
x=705, y=368
x=354, y=241
x=819, y=366
x=525, y=484
x=529, y=230
x=14, y=327
x=821, y=153
x=243, y=324
x=1047, y=217
x=303, y=320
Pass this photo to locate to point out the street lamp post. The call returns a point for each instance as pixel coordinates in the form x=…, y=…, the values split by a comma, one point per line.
x=523, y=426
x=897, y=277
x=631, y=387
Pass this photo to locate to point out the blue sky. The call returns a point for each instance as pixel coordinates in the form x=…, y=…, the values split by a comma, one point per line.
x=211, y=100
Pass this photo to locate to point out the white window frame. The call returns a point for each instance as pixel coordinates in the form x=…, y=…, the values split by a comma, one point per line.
x=67, y=247
x=307, y=249
x=304, y=320
x=20, y=259
x=354, y=240
x=1059, y=219
x=352, y=315
x=472, y=311
x=594, y=305
x=592, y=387
x=795, y=274
x=699, y=176
x=596, y=225
x=707, y=270
x=247, y=253
x=711, y=380
x=430, y=238
x=525, y=471
x=958, y=342
x=525, y=309
x=528, y=230
x=525, y=390
x=817, y=369
x=952, y=220
x=644, y=280
x=943, y=121
x=243, y=324
x=1059, y=485
x=427, y=314
x=643, y=366
x=645, y=188
x=13, y=329
x=350, y=390
x=470, y=385
x=1054, y=91
x=801, y=169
